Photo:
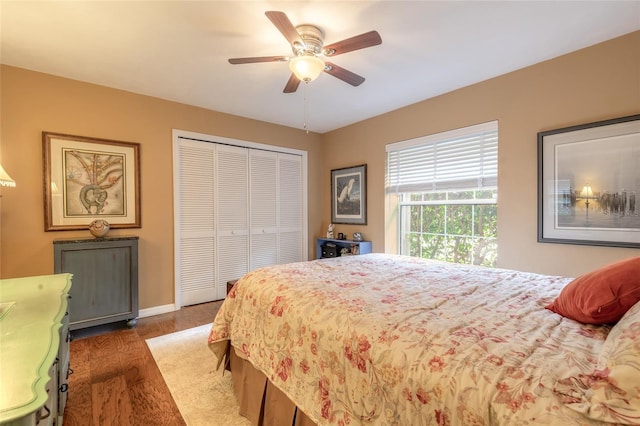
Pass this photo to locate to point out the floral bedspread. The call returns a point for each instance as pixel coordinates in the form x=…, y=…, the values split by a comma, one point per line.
x=392, y=340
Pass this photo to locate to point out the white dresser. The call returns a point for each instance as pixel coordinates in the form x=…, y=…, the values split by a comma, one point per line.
x=34, y=349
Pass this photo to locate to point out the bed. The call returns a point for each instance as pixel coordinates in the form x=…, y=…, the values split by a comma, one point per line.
x=394, y=340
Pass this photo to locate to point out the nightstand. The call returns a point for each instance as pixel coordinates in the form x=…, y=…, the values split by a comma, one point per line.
x=362, y=247
x=230, y=285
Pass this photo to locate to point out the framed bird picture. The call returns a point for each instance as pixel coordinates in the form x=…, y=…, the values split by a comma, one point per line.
x=349, y=195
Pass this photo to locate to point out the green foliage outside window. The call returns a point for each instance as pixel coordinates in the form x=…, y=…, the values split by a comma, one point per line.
x=459, y=227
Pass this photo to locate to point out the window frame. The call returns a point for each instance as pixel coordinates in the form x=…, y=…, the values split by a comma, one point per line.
x=405, y=231
x=394, y=203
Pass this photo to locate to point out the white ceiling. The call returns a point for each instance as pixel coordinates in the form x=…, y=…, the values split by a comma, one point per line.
x=178, y=50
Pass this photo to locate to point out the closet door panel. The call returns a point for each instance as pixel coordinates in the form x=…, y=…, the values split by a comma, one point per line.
x=232, y=207
x=264, y=183
x=290, y=249
x=198, y=270
x=196, y=266
x=263, y=250
x=263, y=208
x=232, y=189
x=290, y=208
x=232, y=261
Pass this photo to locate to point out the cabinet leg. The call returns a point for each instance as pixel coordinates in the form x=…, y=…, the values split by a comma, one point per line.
x=132, y=322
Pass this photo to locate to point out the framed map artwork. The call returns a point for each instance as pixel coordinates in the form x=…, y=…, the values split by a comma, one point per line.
x=88, y=178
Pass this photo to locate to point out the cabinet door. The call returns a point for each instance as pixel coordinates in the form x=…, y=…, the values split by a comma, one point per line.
x=102, y=289
x=232, y=207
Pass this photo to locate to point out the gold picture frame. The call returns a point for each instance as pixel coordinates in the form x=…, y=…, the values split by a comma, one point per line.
x=88, y=178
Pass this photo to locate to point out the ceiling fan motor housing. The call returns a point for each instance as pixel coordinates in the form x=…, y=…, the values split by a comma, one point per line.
x=312, y=37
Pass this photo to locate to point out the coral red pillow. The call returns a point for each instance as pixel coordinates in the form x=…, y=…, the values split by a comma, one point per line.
x=601, y=296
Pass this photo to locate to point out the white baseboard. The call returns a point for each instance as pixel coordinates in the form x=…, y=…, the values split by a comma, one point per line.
x=156, y=310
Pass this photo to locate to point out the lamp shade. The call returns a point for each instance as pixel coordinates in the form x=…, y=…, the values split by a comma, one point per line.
x=5, y=179
x=306, y=67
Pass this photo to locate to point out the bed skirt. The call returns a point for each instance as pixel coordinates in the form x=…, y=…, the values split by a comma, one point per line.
x=259, y=400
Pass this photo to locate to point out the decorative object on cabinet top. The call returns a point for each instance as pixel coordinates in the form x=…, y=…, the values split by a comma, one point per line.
x=99, y=228
x=330, y=230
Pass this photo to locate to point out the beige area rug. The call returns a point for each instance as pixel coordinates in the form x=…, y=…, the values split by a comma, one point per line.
x=203, y=395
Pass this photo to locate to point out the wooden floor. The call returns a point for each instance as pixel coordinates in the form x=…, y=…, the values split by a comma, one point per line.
x=115, y=380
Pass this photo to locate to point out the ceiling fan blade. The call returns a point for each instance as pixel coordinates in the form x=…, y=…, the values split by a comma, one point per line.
x=372, y=38
x=292, y=84
x=284, y=25
x=237, y=61
x=343, y=74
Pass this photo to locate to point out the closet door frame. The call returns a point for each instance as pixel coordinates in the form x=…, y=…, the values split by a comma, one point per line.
x=183, y=134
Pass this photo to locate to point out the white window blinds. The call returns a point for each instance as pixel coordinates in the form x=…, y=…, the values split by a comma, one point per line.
x=460, y=159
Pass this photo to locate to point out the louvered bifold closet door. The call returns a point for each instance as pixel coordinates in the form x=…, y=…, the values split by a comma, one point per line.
x=196, y=268
x=290, y=237
x=232, y=207
x=263, y=191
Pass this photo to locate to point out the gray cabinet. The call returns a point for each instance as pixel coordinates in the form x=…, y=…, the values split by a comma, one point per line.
x=105, y=279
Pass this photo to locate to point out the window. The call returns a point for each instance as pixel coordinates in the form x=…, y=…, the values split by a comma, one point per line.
x=442, y=195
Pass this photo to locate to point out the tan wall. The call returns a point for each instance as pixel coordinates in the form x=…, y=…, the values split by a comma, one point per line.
x=33, y=102
x=593, y=84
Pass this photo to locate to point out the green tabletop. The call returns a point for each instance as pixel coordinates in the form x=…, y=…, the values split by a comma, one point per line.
x=31, y=313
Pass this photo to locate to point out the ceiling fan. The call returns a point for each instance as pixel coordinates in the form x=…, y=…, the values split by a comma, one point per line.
x=310, y=52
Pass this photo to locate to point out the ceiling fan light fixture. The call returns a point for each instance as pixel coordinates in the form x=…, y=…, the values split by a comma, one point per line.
x=306, y=67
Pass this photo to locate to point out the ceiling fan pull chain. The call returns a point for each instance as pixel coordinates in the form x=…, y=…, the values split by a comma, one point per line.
x=305, y=107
